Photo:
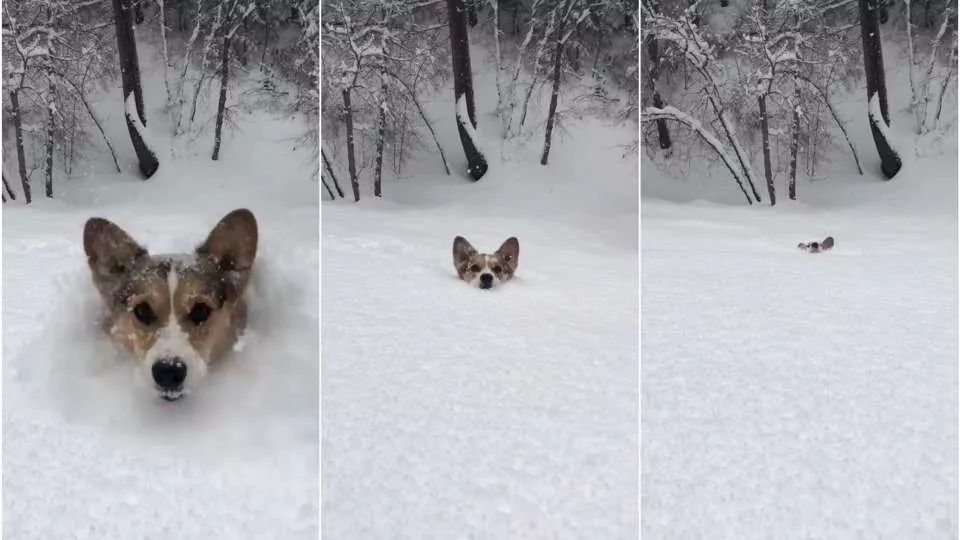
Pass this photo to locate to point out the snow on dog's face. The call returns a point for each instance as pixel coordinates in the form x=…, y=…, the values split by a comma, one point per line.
x=483, y=270
x=174, y=313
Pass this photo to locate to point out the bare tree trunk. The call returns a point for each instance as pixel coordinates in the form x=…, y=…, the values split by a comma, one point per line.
x=663, y=132
x=266, y=39
x=928, y=75
x=496, y=43
x=222, y=104
x=327, y=187
x=21, y=155
x=351, y=155
x=519, y=65
x=381, y=133
x=426, y=120
x=166, y=55
x=329, y=166
x=738, y=150
x=911, y=60
x=463, y=87
x=952, y=66
x=130, y=70
x=826, y=101
x=96, y=121
x=536, y=68
x=68, y=152
x=876, y=85
x=51, y=133
x=186, y=65
x=557, y=71
x=765, y=133
x=208, y=43
x=81, y=95
x=471, y=6
x=6, y=186
x=794, y=146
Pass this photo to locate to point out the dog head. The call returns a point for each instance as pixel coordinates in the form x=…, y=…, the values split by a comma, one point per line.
x=174, y=313
x=482, y=270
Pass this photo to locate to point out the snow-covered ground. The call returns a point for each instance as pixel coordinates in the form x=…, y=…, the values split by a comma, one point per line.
x=455, y=412
x=793, y=395
x=89, y=454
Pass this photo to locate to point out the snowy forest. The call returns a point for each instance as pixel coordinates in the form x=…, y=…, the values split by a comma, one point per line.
x=62, y=56
x=745, y=83
x=383, y=63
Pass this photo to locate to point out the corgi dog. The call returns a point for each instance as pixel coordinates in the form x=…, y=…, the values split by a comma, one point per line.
x=174, y=314
x=483, y=270
x=817, y=247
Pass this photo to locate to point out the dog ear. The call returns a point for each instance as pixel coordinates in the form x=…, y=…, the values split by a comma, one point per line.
x=462, y=251
x=510, y=251
x=110, y=251
x=232, y=244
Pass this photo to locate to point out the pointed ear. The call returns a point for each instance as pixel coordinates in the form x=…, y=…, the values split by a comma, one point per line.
x=233, y=241
x=510, y=251
x=111, y=252
x=462, y=250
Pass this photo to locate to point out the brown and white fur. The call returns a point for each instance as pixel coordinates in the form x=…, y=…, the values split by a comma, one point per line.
x=175, y=314
x=817, y=247
x=483, y=270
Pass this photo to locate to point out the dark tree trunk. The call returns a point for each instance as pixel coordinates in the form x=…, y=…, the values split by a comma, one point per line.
x=471, y=6
x=266, y=38
x=381, y=133
x=130, y=71
x=463, y=85
x=663, y=132
x=557, y=71
x=329, y=166
x=876, y=84
x=765, y=133
x=351, y=156
x=21, y=154
x=6, y=187
x=794, y=146
x=242, y=50
x=327, y=187
x=222, y=104
x=51, y=132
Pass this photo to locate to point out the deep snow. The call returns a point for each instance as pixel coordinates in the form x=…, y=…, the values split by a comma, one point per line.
x=455, y=412
x=87, y=452
x=796, y=395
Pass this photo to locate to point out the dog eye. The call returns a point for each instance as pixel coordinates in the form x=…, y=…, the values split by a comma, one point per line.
x=497, y=269
x=199, y=314
x=144, y=313
x=475, y=268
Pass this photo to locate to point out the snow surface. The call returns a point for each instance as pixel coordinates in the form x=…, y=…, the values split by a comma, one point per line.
x=87, y=453
x=795, y=395
x=454, y=412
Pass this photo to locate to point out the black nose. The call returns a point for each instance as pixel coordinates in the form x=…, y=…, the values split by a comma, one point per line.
x=486, y=281
x=169, y=373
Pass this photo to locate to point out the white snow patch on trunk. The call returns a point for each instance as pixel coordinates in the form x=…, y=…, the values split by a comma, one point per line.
x=463, y=118
x=876, y=118
x=130, y=109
